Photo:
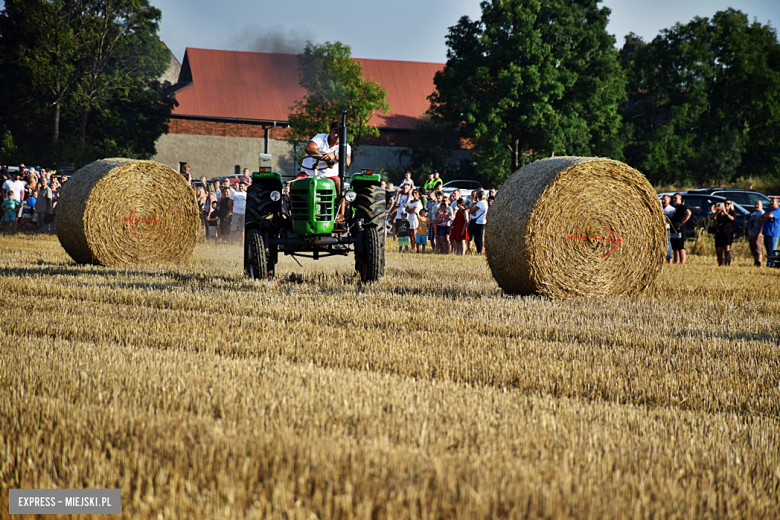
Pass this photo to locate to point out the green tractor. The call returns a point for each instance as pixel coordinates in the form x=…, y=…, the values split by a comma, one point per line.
x=304, y=223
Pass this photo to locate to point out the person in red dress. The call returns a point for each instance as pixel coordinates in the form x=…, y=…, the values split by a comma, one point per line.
x=460, y=228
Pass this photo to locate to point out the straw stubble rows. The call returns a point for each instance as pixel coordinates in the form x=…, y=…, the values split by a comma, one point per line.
x=198, y=392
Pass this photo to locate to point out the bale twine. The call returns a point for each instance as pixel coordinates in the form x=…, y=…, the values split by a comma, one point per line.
x=576, y=226
x=123, y=211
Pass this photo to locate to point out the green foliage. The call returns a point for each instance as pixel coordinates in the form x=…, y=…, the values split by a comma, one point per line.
x=434, y=141
x=78, y=78
x=9, y=153
x=334, y=82
x=532, y=78
x=704, y=106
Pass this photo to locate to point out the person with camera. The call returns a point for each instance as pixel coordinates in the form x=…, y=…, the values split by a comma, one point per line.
x=754, y=232
x=724, y=217
x=771, y=230
x=679, y=218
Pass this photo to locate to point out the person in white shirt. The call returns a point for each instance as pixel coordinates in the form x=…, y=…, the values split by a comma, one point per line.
x=239, y=209
x=479, y=214
x=413, y=207
x=14, y=190
x=328, y=146
x=454, y=196
x=398, y=206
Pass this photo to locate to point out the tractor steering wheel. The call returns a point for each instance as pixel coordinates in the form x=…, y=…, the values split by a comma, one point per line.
x=318, y=159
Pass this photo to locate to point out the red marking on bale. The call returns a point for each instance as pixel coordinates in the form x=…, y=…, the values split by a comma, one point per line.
x=614, y=239
x=130, y=220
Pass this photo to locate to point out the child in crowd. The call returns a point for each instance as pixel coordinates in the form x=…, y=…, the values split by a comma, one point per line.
x=403, y=229
x=442, y=222
x=23, y=223
x=422, y=237
x=11, y=208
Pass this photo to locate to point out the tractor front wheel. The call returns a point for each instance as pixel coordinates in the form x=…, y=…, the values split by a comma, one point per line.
x=371, y=265
x=255, y=256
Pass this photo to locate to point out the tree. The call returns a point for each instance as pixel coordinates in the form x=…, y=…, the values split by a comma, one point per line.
x=121, y=53
x=705, y=101
x=433, y=141
x=43, y=38
x=70, y=72
x=334, y=82
x=532, y=78
x=435, y=146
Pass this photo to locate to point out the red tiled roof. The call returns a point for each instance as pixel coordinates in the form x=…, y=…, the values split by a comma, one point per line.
x=258, y=85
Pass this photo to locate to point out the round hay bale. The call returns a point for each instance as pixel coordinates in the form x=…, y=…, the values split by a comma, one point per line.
x=576, y=226
x=123, y=211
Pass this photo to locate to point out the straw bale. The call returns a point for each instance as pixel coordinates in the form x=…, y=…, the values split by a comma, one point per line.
x=123, y=211
x=550, y=229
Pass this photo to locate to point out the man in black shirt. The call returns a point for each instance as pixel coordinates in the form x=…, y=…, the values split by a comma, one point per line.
x=679, y=217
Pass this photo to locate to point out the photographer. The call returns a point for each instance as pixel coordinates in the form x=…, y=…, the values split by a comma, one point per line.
x=771, y=230
x=754, y=232
x=724, y=216
x=679, y=218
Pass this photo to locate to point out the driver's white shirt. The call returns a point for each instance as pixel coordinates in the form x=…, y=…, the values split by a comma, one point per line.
x=321, y=140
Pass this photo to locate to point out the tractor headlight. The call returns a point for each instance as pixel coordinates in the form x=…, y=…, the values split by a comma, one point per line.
x=350, y=196
x=275, y=196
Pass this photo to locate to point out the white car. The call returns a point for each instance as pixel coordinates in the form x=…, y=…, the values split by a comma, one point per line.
x=465, y=187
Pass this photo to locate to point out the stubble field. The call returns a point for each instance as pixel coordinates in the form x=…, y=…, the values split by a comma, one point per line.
x=429, y=394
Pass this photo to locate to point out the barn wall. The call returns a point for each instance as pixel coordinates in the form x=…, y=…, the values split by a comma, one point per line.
x=214, y=156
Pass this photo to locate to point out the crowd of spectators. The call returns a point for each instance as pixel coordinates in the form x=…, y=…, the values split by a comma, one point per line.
x=29, y=198
x=763, y=227
x=222, y=205
x=449, y=223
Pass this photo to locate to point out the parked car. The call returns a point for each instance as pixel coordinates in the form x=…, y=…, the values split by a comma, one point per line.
x=64, y=169
x=745, y=198
x=232, y=179
x=700, y=203
x=465, y=187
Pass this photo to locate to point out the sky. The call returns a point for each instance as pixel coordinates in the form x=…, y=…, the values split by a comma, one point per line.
x=409, y=30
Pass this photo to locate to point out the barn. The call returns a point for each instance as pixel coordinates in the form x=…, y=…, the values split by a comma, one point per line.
x=234, y=105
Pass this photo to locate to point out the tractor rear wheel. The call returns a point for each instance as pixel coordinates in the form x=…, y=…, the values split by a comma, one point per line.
x=255, y=259
x=371, y=264
x=371, y=205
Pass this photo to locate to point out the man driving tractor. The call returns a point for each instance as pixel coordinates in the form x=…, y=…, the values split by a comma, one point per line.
x=326, y=145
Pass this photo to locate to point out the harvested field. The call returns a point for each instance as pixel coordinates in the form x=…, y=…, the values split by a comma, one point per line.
x=430, y=394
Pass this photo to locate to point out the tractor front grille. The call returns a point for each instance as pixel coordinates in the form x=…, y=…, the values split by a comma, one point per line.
x=299, y=204
x=324, y=200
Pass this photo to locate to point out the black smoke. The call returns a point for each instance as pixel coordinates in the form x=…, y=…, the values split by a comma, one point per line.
x=275, y=40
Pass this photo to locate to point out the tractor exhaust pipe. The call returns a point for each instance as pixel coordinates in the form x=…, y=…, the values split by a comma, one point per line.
x=343, y=149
